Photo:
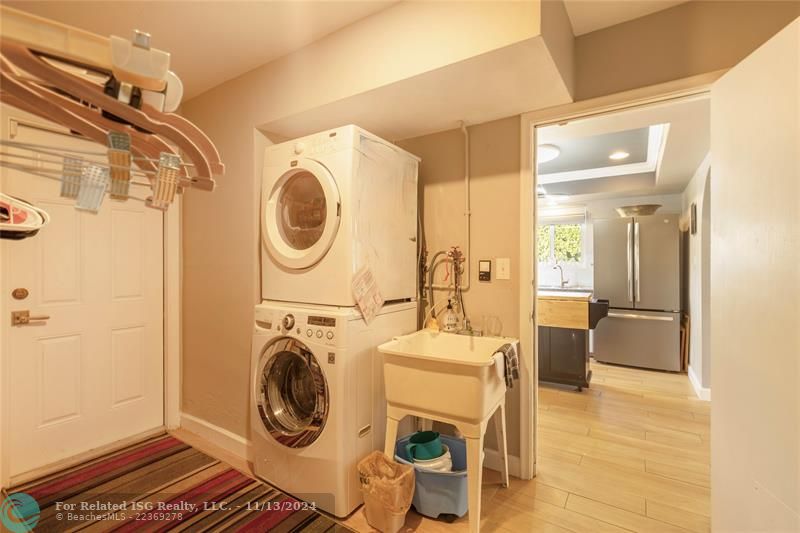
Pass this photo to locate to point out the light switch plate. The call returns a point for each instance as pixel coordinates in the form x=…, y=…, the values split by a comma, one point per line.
x=503, y=267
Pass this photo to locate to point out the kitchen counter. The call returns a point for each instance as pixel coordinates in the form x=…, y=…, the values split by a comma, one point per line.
x=583, y=295
x=564, y=318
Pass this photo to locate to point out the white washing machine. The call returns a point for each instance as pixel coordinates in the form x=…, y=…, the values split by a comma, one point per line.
x=317, y=398
x=331, y=203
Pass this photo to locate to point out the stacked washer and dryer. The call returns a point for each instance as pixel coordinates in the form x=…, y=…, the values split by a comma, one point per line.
x=332, y=203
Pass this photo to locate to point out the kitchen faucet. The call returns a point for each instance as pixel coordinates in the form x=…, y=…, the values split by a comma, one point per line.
x=561, y=273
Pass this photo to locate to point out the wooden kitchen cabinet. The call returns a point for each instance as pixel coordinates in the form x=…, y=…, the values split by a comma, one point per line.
x=564, y=320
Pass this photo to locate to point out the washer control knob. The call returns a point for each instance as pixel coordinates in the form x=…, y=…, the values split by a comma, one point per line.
x=298, y=148
x=288, y=322
x=319, y=333
x=309, y=333
x=329, y=335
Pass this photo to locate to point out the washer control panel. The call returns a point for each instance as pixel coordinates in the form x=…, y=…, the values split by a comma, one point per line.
x=321, y=327
x=303, y=324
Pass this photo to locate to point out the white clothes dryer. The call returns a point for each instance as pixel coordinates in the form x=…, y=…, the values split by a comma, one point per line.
x=332, y=203
x=317, y=397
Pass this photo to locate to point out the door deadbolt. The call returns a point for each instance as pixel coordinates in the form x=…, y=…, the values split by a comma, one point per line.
x=19, y=293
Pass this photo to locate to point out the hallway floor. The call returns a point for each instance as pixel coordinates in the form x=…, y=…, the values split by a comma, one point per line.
x=631, y=453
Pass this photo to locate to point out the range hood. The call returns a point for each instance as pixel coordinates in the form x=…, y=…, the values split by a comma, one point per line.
x=627, y=211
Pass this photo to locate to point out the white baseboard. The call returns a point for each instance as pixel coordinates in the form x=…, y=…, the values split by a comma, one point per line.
x=239, y=446
x=494, y=461
x=227, y=440
x=704, y=393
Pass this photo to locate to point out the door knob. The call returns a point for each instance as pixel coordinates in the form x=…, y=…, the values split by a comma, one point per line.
x=23, y=318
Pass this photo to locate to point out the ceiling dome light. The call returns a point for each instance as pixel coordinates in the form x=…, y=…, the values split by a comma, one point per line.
x=619, y=155
x=547, y=152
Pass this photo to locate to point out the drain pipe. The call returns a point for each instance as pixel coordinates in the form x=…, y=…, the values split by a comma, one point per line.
x=467, y=208
x=467, y=222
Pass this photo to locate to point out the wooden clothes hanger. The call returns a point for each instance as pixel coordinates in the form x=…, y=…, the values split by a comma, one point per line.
x=33, y=82
x=73, y=115
x=182, y=137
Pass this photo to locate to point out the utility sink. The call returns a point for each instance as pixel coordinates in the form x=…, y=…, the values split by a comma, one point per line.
x=447, y=376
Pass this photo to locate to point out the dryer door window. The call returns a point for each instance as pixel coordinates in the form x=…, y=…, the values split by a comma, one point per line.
x=301, y=215
x=292, y=393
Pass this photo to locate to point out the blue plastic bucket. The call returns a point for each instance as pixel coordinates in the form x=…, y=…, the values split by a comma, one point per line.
x=438, y=493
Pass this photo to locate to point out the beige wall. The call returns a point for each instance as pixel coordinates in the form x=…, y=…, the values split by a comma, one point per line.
x=494, y=170
x=557, y=34
x=403, y=41
x=755, y=290
x=697, y=275
x=689, y=39
x=220, y=280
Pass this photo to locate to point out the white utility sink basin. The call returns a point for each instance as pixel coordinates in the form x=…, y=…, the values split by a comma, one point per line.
x=448, y=376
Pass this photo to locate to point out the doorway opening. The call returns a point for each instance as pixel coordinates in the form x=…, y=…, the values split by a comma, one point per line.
x=620, y=257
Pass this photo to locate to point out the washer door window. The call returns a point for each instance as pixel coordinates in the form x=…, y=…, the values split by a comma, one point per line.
x=301, y=215
x=292, y=393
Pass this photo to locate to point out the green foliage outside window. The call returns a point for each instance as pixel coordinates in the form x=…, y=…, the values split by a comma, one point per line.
x=543, y=243
x=567, y=240
x=561, y=243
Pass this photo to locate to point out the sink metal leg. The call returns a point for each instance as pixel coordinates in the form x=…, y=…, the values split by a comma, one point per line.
x=474, y=481
x=391, y=436
x=500, y=433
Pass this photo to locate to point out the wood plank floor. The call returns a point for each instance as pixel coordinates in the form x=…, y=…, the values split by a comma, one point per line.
x=631, y=453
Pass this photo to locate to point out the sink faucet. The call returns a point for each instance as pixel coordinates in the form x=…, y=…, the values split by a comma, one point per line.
x=561, y=273
x=468, y=330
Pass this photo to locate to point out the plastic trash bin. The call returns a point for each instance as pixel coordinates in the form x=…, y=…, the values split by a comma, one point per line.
x=439, y=493
x=387, y=488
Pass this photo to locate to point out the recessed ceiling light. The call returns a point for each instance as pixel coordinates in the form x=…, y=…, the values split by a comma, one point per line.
x=547, y=152
x=619, y=154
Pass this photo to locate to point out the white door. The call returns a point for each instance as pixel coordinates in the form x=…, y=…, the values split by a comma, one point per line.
x=91, y=373
x=755, y=290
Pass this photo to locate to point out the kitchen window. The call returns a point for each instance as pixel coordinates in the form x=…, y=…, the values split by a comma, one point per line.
x=560, y=236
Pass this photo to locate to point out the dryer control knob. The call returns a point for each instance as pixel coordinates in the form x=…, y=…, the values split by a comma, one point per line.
x=299, y=147
x=288, y=322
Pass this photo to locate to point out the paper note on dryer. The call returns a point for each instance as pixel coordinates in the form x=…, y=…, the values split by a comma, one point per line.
x=366, y=294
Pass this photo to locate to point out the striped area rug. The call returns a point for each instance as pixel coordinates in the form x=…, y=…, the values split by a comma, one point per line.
x=163, y=484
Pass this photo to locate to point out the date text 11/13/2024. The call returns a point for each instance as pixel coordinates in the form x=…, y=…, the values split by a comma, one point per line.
x=288, y=504
x=280, y=505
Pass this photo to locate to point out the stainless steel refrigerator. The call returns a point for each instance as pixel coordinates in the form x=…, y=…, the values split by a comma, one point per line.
x=637, y=267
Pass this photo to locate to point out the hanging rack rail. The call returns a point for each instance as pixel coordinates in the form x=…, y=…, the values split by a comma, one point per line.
x=128, y=62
